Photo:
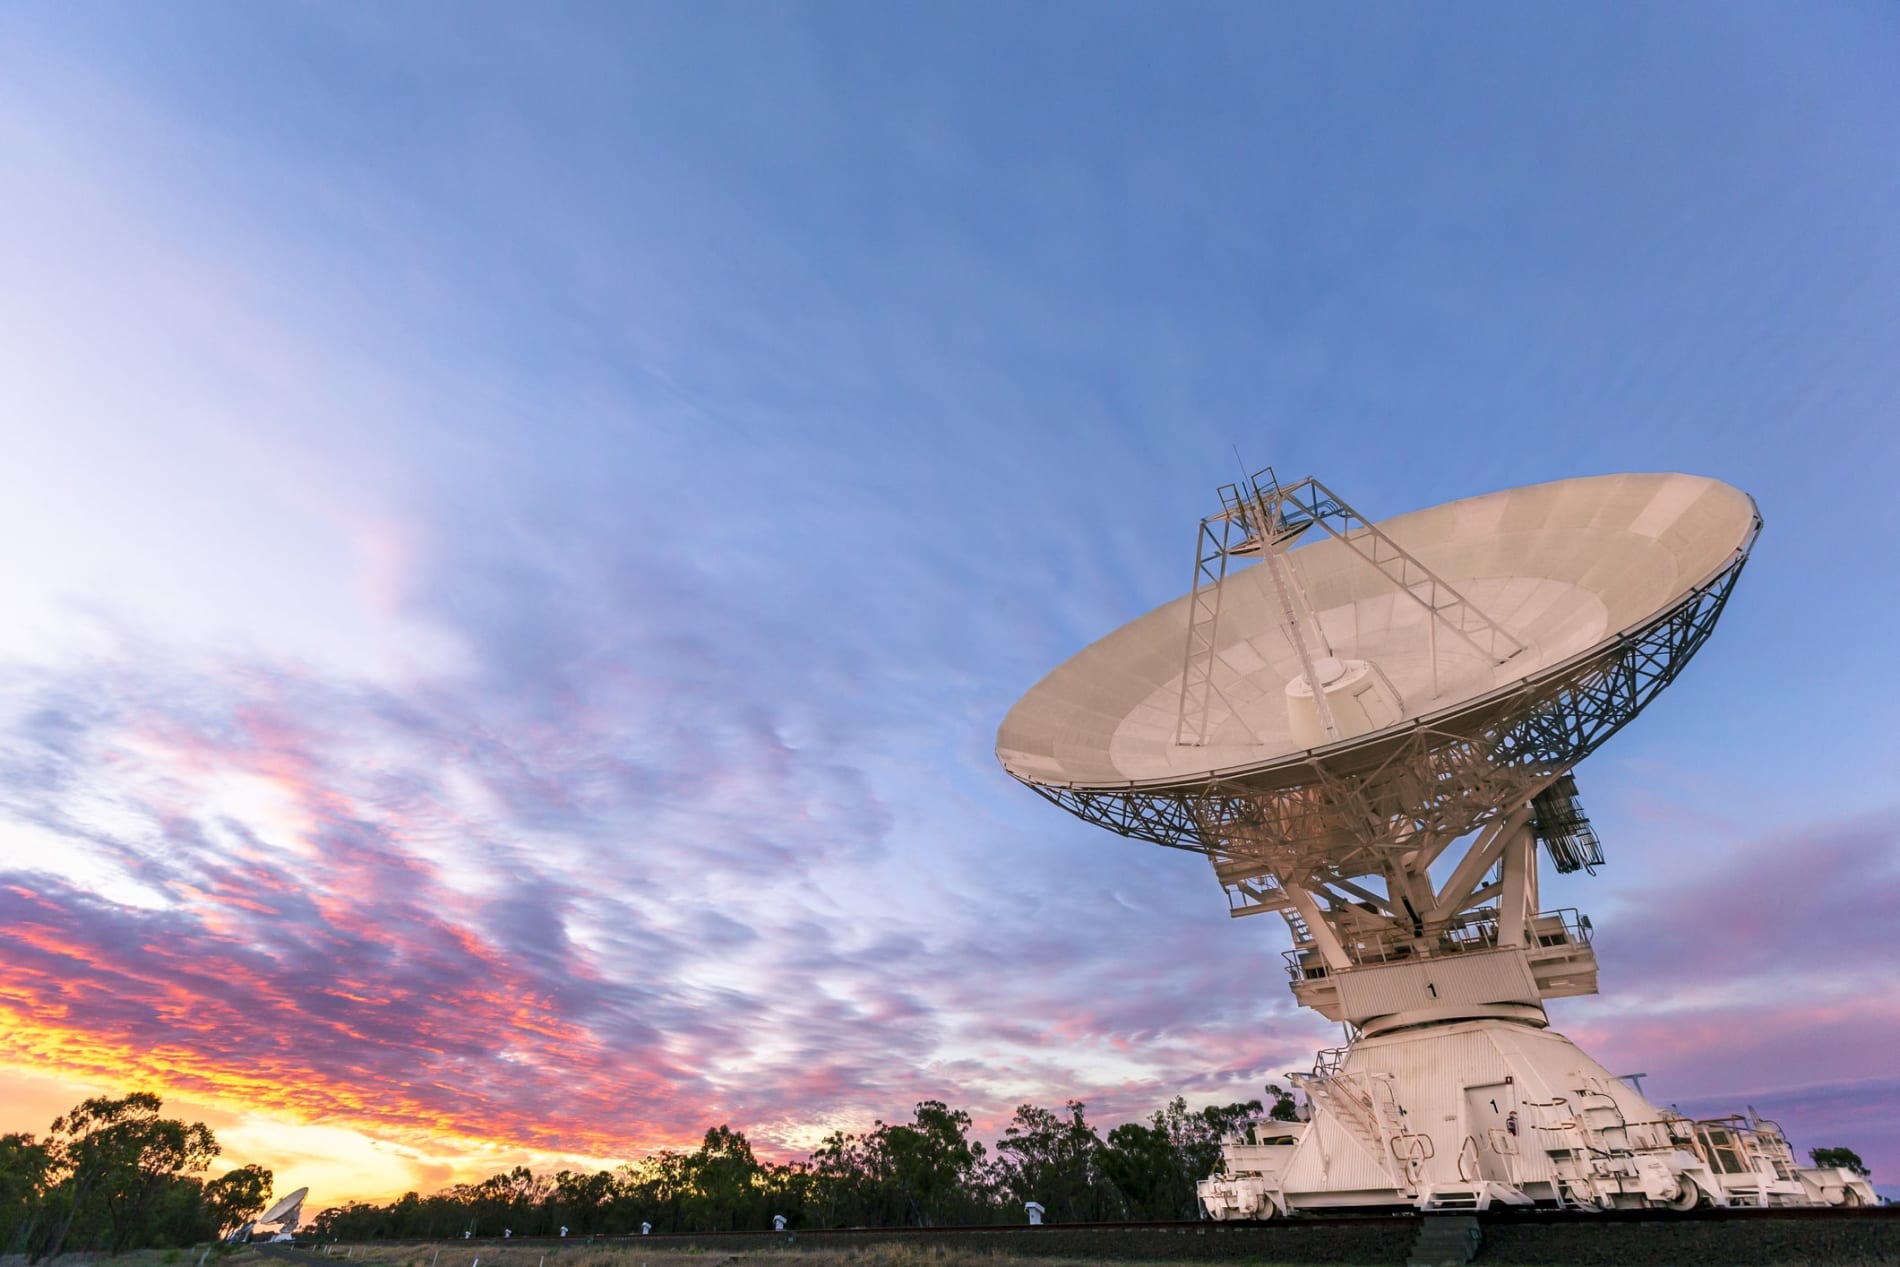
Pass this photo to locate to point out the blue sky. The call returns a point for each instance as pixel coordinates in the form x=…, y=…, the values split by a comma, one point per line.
x=556, y=503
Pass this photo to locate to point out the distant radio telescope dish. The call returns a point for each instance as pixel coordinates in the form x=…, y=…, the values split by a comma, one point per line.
x=288, y=1211
x=1368, y=728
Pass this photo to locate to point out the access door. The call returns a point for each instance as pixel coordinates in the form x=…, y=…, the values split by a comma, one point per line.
x=1490, y=1147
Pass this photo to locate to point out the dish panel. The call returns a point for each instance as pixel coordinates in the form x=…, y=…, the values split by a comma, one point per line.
x=1567, y=568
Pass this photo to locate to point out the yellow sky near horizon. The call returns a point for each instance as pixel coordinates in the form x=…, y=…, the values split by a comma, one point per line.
x=338, y=1164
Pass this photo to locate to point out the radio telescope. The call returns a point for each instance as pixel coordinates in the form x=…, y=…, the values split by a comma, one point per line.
x=285, y=1215
x=1368, y=728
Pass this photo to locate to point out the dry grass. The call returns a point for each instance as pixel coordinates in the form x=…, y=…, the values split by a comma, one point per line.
x=876, y=1254
x=457, y=1254
x=131, y=1258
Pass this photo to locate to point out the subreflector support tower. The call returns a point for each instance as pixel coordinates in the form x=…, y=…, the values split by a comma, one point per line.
x=1368, y=728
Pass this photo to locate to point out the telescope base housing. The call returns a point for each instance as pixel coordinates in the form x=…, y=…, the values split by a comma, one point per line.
x=1468, y=1114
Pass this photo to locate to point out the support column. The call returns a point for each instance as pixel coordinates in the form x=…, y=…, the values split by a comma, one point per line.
x=1518, y=902
x=1478, y=861
x=1325, y=940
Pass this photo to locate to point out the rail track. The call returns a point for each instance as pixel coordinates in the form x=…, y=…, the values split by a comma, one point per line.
x=1889, y=1214
x=1794, y=1237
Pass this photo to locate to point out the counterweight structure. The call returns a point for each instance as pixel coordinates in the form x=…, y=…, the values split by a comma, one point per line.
x=1368, y=729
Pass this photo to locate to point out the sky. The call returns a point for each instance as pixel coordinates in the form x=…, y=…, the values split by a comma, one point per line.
x=524, y=521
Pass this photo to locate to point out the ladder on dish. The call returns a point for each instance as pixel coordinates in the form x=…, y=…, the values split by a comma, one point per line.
x=1261, y=515
x=1312, y=501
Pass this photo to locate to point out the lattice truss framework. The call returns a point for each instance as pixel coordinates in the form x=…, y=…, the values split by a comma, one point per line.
x=1263, y=517
x=1309, y=825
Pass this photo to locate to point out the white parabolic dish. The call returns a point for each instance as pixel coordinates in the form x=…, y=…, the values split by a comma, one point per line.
x=283, y=1207
x=1568, y=568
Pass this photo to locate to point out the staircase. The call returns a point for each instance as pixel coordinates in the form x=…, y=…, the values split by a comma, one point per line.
x=1349, y=1105
x=1475, y=1197
x=1445, y=1238
x=1451, y=1197
x=1367, y=1109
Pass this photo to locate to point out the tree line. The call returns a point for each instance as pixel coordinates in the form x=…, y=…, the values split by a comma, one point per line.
x=923, y=1173
x=115, y=1174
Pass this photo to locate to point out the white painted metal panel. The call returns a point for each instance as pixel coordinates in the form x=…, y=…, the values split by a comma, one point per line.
x=1482, y=976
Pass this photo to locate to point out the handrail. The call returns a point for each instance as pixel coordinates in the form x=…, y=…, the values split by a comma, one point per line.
x=1477, y=931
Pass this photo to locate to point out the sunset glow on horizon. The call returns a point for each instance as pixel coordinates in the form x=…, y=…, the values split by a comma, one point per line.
x=525, y=524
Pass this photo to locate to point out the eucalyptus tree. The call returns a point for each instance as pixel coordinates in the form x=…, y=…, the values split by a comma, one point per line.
x=1056, y=1159
x=115, y=1159
x=1845, y=1158
x=1156, y=1165
x=237, y=1196
x=26, y=1170
x=579, y=1201
x=723, y=1176
x=935, y=1165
